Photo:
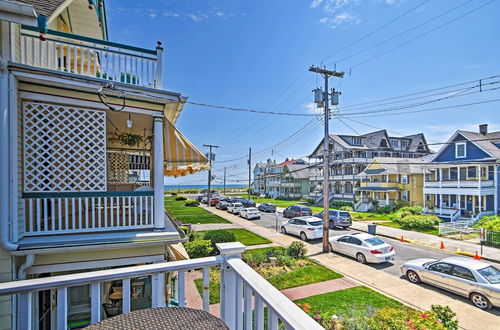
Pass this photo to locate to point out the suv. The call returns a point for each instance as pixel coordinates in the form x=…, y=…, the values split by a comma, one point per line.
x=267, y=207
x=338, y=218
x=248, y=203
x=222, y=205
x=297, y=211
x=235, y=208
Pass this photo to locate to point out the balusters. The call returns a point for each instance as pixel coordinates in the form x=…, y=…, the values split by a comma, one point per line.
x=62, y=308
x=182, y=288
x=95, y=302
x=247, y=316
x=206, y=289
x=126, y=295
x=259, y=313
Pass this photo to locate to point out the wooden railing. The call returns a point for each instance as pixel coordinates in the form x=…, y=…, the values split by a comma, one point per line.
x=244, y=294
x=91, y=57
x=62, y=213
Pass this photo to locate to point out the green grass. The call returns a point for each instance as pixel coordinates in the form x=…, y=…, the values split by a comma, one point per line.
x=343, y=301
x=263, y=250
x=395, y=225
x=362, y=216
x=243, y=236
x=312, y=273
x=214, y=290
x=190, y=214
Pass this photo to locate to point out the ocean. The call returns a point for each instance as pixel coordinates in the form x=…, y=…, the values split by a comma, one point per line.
x=202, y=186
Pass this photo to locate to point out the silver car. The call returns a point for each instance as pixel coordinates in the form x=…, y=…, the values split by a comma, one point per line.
x=474, y=279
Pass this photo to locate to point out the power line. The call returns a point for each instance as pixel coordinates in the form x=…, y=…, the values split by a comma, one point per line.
x=250, y=110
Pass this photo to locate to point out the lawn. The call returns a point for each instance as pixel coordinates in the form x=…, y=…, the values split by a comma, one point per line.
x=190, y=214
x=214, y=290
x=363, y=216
x=345, y=301
x=243, y=236
x=395, y=225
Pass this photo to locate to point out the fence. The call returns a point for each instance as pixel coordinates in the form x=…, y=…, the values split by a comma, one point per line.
x=492, y=238
x=457, y=228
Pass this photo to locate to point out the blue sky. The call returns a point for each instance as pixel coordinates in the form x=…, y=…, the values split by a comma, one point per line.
x=255, y=54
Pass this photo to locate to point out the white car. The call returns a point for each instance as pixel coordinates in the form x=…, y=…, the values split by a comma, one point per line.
x=364, y=247
x=250, y=213
x=304, y=227
x=235, y=208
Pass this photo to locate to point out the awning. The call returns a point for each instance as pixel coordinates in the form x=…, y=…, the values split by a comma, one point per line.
x=180, y=156
x=377, y=189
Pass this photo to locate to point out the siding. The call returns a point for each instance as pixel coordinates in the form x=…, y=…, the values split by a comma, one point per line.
x=5, y=301
x=472, y=152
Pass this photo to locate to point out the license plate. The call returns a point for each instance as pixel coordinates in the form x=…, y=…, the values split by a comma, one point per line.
x=388, y=258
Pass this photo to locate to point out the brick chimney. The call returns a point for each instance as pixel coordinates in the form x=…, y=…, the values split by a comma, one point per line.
x=483, y=129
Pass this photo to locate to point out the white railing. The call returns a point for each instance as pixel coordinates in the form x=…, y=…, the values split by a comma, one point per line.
x=459, y=184
x=61, y=213
x=457, y=227
x=244, y=293
x=451, y=213
x=92, y=57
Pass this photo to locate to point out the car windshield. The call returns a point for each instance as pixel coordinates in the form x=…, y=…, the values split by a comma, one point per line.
x=315, y=223
x=344, y=214
x=237, y=205
x=252, y=210
x=491, y=274
x=305, y=209
x=374, y=241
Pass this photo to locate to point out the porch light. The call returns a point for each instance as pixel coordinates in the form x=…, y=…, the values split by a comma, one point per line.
x=129, y=121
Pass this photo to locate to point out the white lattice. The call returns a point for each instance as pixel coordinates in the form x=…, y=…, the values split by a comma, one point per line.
x=118, y=167
x=64, y=148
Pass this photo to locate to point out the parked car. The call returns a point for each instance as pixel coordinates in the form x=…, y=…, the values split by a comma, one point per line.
x=267, y=207
x=222, y=205
x=474, y=279
x=338, y=218
x=224, y=198
x=364, y=247
x=199, y=198
x=236, y=199
x=214, y=201
x=250, y=213
x=304, y=227
x=248, y=203
x=204, y=200
x=235, y=208
x=297, y=211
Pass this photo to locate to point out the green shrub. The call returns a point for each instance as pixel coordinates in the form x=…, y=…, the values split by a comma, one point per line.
x=417, y=221
x=297, y=249
x=490, y=222
x=254, y=260
x=347, y=208
x=385, y=209
x=191, y=203
x=218, y=236
x=287, y=261
x=338, y=205
x=446, y=316
x=180, y=198
x=173, y=193
x=198, y=248
x=406, y=211
x=399, y=203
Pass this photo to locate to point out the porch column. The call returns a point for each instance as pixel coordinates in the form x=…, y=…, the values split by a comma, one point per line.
x=480, y=199
x=458, y=202
x=387, y=198
x=440, y=204
x=495, y=184
x=159, y=189
x=458, y=177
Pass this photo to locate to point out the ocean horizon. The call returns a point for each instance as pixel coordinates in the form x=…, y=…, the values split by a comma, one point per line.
x=201, y=186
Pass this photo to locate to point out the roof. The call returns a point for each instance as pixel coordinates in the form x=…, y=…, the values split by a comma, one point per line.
x=377, y=189
x=298, y=171
x=486, y=142
x=466, y=262
x=44, y=7
x=392, y=165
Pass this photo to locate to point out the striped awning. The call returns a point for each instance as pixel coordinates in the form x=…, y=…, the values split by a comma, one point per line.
x=180, y=156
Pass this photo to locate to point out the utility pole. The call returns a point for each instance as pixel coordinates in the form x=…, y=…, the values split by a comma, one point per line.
x=322, y=98
x=249, y=171
x=224, y=181
x=210, y=158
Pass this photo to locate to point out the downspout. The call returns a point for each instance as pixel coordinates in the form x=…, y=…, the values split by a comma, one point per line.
x=4, y=159
x=21, y=271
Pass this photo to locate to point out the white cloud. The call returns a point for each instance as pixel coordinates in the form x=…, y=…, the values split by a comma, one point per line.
x=170, y=14
x=316, y=3
x=152, y=14
x=195, y=18
x=340, y=19
x=219, y=14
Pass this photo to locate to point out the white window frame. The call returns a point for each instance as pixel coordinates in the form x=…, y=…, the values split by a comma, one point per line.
x=457, y=144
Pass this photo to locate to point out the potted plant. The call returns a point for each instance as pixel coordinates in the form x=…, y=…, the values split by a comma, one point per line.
x=130, y=139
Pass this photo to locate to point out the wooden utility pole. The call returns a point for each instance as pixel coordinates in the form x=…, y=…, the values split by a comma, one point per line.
x=210, y=158
x=224, y=193
x=326, y=150
x=249, y=171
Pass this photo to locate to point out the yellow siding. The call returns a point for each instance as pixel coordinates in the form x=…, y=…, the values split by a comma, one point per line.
x=416, y=189
x=5, y=301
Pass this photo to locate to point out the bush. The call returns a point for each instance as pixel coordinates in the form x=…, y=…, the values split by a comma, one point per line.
x=406, y=211
x=446, y=316
x=418, y=221
x=254, y=260
x=191, y=203
x=218, y=236
x=180, y=198
x=385, y=209
x=338, y=205
x=403, y=319
x=297, y=250
x=399, y=203
x=347, y=208
x=287, y=261
x=198, y=248
x=490, y=222
x=173, y=193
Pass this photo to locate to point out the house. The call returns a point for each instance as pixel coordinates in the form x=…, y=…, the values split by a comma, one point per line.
x=87, y=135
x=387, y=180
x=288, y=179
x=350, y=154
x=259, y=182
x=462, y=179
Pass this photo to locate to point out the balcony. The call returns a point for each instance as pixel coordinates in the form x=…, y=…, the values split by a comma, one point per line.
x=456, y=187
x=244, y=293
x=79, y=55
x=290, y=184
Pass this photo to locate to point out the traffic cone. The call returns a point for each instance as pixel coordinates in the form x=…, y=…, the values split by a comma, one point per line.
x=442, y=246
x=477, y=257
x=402, y=238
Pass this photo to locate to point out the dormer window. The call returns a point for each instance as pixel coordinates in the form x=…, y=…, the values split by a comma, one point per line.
x=357, y=141
x=460, y=150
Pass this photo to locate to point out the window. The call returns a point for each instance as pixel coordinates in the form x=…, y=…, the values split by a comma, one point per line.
x=460, y=151
x=355, y=241
x=405, y=143
x=395, y=143
x=491, y=274
x=464, y=273
x=344, y=239
x=441, y=268
x=357, y=141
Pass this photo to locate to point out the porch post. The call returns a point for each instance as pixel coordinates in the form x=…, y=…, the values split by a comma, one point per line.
x=458, y=176
x=480, y=199
x=159, y=66
x=159, y=189
x=495, y=192
x=387, y=198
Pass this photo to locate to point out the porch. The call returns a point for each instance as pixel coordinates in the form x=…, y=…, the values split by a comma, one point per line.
x=459, y=206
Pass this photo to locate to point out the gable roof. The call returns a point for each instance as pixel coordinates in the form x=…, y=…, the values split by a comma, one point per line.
x=392, y=165
x=298, y=171
x=44, y=7
x=487, y=143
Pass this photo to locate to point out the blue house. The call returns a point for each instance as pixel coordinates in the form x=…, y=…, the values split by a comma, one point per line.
x=463, y=176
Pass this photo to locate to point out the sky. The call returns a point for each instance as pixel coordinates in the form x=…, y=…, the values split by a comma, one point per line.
x=256, y=55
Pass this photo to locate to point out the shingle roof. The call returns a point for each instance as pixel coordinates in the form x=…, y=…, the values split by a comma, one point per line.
x=403, y=166
x=299, y=171
x=44, y=7
x=485, y=142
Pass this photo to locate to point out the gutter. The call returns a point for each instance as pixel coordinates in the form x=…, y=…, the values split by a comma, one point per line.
x=19, y=13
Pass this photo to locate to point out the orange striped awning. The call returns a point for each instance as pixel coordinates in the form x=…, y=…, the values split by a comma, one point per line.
x=180, y=156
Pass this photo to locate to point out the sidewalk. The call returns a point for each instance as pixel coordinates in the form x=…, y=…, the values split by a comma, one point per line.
x=410, y=294
x=431, y=241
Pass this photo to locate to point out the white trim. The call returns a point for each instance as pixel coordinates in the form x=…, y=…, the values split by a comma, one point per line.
x=458, y=144
x=70, y=266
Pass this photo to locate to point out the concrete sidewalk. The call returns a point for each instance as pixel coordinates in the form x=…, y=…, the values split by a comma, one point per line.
x=416, y=296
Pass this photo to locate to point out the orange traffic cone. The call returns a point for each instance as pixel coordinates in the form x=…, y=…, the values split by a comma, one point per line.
x=477, y=257
x=402, y=238
x=442, y=246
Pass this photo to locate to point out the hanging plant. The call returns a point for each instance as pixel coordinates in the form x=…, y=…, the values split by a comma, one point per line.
x=130, y=139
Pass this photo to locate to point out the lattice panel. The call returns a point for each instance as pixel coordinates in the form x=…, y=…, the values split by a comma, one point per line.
x=118, y=166
x=64, y=148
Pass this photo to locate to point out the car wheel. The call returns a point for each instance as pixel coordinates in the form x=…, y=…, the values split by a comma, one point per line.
x=345, y=228
x=283, y=230
x=303, y=236
x=480, y=301
x=361, y=258
x=413, y=277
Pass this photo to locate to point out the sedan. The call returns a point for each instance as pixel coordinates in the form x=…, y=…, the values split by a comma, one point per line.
x=248, y=203
x=304, y=227
x=267, y=207
x=214, y=201
x=473, y=279
x=338, y=218
x=250, y=213
x=222, y=205
x=364, y=247
x=235, y=208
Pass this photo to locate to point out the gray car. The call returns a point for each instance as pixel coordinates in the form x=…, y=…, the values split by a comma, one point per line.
x=338, y=218
x=474, y=279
